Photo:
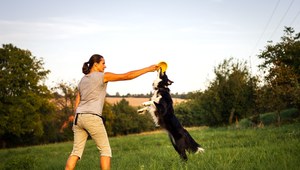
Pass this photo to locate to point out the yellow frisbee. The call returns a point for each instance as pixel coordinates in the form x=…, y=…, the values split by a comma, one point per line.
x=163, y=65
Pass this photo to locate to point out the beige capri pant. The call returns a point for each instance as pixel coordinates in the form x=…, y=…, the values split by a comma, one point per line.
x=90, y=124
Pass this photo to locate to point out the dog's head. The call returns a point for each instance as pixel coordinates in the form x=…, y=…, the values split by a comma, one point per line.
x=162, y=80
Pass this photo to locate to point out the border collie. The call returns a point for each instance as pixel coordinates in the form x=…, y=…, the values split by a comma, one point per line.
x=161, y=109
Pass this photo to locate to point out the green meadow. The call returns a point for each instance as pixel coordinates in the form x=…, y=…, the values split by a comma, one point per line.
x=225, y=148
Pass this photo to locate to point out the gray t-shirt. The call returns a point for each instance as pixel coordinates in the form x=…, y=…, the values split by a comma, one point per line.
x=92, y=91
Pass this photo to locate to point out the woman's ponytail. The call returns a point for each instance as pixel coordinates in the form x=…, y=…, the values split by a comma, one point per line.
x=87, y=66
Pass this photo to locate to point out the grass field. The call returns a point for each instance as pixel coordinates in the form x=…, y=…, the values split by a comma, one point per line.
x=226, y=148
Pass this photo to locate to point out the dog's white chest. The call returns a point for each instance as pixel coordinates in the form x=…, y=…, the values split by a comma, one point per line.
x=156, y=96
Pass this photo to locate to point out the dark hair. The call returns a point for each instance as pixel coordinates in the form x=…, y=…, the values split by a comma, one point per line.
x=86, y=68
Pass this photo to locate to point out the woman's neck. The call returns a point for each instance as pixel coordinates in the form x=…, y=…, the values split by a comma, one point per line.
x=93, y=69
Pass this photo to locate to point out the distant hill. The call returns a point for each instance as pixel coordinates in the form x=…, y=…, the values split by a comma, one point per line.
x=135, y=102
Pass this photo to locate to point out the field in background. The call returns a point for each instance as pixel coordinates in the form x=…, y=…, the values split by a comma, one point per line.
x=135, y=102
x=225, y=148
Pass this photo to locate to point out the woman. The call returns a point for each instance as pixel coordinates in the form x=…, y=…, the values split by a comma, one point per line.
x=88, y=108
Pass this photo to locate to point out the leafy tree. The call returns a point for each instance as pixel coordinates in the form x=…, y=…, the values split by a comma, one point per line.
x=281, y=66
x=109, y=118
x=64, y=97
x=127, y=120
x=230, y=95
x=189, y=114
x=23, y=96
x=66, y=93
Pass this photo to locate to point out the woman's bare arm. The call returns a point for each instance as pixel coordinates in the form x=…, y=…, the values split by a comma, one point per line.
x=129, y=75
x=77, y=100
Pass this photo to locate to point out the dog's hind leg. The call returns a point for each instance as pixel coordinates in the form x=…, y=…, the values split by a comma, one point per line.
x=182, y=153
x=173, y=142
x=179, y=149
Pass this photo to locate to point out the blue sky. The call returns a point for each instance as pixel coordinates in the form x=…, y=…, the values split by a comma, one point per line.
x=192, y=36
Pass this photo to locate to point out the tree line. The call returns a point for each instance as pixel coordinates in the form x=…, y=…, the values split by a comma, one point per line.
x=148, y=95
x=31, y=113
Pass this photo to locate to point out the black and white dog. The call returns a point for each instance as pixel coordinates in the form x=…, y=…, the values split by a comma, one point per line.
x=161, y=109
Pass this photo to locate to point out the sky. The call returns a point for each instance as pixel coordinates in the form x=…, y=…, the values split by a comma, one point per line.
x=191, y=36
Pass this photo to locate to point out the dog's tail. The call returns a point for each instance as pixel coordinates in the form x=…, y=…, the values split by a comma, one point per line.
x=200, y=150
x=192, y=145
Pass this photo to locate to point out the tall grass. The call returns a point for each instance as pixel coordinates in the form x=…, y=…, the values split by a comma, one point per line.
x=226, y=148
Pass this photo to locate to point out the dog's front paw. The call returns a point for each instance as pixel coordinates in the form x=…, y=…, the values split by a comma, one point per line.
x=148, y=103
x=142, y=110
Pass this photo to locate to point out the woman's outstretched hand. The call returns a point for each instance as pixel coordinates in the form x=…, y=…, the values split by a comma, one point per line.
x=153, y=67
